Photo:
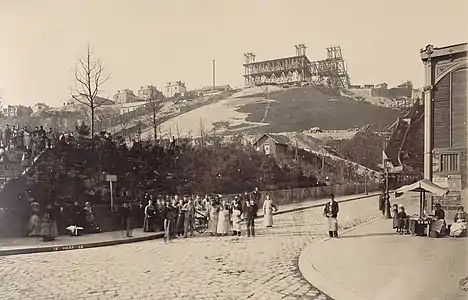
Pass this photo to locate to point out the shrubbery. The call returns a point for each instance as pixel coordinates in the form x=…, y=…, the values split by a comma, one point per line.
x=75, y=170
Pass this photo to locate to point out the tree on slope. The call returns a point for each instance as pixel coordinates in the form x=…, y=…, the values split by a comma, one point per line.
x=154, y=106
x=89, y=79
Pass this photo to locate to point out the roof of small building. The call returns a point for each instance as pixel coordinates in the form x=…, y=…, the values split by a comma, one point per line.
x=431, y=51
x=277, y=138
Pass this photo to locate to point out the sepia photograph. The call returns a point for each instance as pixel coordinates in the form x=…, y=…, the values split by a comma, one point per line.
x=236, y=149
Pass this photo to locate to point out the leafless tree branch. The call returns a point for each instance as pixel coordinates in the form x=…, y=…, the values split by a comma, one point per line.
x=89, y=79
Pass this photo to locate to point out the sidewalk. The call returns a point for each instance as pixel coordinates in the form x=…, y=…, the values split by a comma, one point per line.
x=372, y=262
x=25, y=245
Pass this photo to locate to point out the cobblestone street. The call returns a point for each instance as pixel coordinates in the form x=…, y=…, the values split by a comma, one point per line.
x=203, y=267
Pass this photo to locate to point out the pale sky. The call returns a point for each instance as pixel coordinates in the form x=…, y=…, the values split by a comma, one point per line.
x=153, y=41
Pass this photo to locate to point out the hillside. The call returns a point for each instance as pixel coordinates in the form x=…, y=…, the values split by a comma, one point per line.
x=273, y=109
x=301, y=108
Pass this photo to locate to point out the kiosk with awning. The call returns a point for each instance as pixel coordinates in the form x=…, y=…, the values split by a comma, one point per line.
x=422, y=186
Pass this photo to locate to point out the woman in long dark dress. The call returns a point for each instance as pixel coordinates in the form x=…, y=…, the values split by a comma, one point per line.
x=46, y=227
x=150, y=213
x=91, y=224
x=180, y=218
x=52, y=213
x=127, y=219
x=78, y=215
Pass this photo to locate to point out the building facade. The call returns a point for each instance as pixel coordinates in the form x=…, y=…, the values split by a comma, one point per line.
x=148, y=92
x=124, y=96
x=174, y=88
x=39, y=107
x=274, y=145
x=445, y=136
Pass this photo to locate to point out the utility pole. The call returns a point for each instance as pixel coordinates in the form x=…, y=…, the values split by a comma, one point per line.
x=178, y=131
x=387, y=196
x=214, y=74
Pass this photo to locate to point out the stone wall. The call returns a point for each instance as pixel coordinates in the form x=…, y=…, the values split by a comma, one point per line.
x=291, y=196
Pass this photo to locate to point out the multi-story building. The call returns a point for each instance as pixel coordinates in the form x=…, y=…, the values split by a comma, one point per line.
x=148, y=92
x=39, y=107
x=174, y=88
x=445, y=118
x=124, y=96
x=16, y=111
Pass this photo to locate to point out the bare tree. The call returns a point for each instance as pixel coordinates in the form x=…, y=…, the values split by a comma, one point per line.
x=124, y=121
x=89, y=78
x=202, y=132
x=154, y=105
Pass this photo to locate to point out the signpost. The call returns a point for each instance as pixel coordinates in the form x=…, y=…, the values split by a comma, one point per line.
x=111, y=178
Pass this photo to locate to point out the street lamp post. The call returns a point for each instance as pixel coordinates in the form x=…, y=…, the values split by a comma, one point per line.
x=387, y=196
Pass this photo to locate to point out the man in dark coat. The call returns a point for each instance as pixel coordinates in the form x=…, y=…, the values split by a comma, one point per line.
x=331, y=213
x=256, y=195
x=250, y=215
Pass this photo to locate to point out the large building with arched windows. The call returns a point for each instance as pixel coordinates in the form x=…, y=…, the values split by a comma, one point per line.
x=445, y=120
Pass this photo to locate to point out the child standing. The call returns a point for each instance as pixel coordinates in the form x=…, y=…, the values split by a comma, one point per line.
x=401, y=217
x=395, y=218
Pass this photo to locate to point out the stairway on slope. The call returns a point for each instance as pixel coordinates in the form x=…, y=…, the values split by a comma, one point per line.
x=397, y=148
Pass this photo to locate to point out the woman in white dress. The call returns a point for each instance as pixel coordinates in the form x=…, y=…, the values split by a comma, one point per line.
x=212, y=213
x=237, y=218
x=268, y=207
x=223, y=220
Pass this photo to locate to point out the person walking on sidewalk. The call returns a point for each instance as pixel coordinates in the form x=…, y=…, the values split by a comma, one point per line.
x=331, y=213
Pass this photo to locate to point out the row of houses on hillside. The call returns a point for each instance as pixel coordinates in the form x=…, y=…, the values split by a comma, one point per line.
x=148, y=92
x=172, y=89
x=382, y=90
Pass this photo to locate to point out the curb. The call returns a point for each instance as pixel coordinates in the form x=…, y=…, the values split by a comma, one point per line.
x=76, y=246
x=157, y=235
x=322, y=204
x=319, y=281
x=316, y=279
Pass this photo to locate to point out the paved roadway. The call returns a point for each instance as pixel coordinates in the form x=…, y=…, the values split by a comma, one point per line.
x=203, y=267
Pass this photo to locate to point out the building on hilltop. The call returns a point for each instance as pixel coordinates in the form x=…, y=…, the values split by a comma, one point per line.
x=16, y=111
x=149, y=92
x=209, y=89
x=39, y=107
x=174, y=88
x=124, y=96
x=445, y=121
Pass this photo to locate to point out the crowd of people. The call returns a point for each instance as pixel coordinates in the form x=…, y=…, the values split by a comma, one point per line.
x=55, y=219
x=175, y=215
x=19, y=143
x=221, y=216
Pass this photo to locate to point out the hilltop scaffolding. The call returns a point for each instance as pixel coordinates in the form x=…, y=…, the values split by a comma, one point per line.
x=297, y=69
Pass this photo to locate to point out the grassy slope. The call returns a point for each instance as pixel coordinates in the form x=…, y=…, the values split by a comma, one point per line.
x=305, y=107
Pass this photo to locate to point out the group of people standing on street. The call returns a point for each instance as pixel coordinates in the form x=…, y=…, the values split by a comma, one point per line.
x=226, y=218
x=177, y=216
x=48, y=223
